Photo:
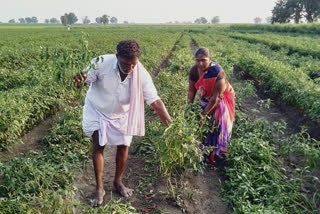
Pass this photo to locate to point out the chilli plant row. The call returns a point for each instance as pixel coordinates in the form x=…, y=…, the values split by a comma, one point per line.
x=45, y=43
x=302, y=45
x=24, y=107
x=313, y=28
x=58, y=59
x=306, y=63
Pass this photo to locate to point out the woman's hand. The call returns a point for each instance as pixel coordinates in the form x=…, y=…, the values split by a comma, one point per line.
x=201, y=91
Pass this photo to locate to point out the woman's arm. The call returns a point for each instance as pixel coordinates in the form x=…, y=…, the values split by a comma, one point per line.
x=218, y=89
x=191, y=91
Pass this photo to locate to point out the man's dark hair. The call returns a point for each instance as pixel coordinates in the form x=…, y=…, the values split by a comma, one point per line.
x=128, y=49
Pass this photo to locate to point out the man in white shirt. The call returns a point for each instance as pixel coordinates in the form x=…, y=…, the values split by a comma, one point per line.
x=114, y=108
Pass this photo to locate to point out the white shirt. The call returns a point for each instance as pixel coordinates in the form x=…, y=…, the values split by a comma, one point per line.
x=111, y=96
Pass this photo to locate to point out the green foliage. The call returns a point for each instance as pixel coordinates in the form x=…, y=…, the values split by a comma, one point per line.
x=256, y=182
x=312, y=28
x=42, y=181
x=24, y=107
x=303, y=46
x=301, y=143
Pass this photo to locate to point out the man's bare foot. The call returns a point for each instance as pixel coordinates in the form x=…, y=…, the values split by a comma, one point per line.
x=124, y=191
x=98, y=198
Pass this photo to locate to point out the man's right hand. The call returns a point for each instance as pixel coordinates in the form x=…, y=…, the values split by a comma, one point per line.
x=161, y=111
x=79, y=78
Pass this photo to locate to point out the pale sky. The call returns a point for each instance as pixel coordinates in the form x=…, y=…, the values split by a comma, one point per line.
x=140, y=11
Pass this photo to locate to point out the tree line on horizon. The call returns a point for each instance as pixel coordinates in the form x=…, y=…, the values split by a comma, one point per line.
x=67, y=19
x=286, y=11
x=71, y=18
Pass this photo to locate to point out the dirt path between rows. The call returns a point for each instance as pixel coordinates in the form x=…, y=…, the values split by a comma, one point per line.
x=135, y=177
x=30, y=141
x=164, y=62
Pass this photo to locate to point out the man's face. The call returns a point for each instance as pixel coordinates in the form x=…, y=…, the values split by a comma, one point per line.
x=127, y=65
x=202, y=62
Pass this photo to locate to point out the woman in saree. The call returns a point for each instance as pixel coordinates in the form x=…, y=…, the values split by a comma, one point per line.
x=208, y=80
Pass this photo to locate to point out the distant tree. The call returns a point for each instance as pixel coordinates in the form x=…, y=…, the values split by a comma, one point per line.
x=125, y=22
x=11, y=21
x=28, y=20
x=312, y=10
x=47, y=21
x=86, y=20
x=294, y=9
x=105, y=19
x=114, y=20
x=201, y=20
x=99, y=20
x=215, y=20
x=72, y=18
x=22, y=20
x=68, y=18
x=268, y=20
x=64, y=20
x=54, y=21
x=287, y=10
x=34, y=19
x=257, y=20
x=280, y=13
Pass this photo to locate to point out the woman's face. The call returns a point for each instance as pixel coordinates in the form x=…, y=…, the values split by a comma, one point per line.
x=202, y=62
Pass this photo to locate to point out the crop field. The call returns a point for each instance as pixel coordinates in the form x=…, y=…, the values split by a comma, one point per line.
x=273, y=160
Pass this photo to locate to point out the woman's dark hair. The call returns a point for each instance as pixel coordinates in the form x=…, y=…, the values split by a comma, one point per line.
x=204, y=51
x=128, y=49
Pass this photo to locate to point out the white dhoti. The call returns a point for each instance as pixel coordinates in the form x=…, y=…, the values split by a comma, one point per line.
x=112, y=127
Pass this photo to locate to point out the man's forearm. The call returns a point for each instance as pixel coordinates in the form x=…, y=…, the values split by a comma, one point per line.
x=160, y=109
